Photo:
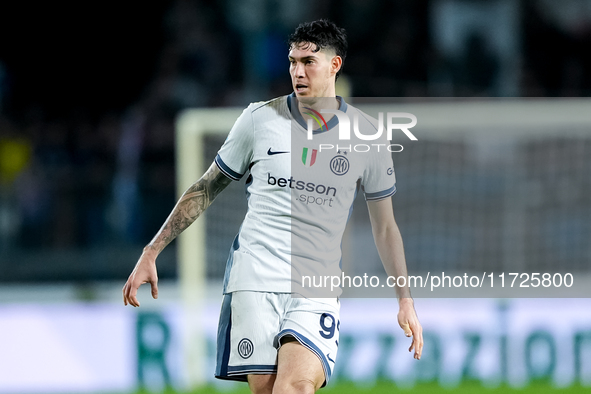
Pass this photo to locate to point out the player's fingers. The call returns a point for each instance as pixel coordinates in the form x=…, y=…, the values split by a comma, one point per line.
x=133, y=295
x=419, y=350
x=414, y=346
x=154, y=285
x=125, y=294
x=126, y=291
x=418, y=341
x=406, y=328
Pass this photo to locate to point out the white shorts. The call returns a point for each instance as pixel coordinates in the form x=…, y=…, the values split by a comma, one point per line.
x=252, y=324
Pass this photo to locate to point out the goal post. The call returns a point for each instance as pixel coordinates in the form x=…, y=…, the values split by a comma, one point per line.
x=478, y=126
x=191, y=126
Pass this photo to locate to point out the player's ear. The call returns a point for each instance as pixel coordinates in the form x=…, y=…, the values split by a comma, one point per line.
x=335, y=64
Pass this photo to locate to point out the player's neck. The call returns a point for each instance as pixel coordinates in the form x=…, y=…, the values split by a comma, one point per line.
x=318, y=103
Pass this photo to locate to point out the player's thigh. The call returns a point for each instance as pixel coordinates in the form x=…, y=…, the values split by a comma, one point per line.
x=314, y=326
x=261, y=384
x=299, y=370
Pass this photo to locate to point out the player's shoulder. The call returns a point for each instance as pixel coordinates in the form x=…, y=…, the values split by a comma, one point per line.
x=275, y=104
x=261, y=112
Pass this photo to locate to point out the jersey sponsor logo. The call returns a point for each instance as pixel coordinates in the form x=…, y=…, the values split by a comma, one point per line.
x=390, y=171
x=309, y=159
x=271, y=153
x=301, y=185
x=245, y=348
x=339, y=165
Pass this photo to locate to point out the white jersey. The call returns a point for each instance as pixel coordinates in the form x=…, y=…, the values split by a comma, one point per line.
x=299, y=195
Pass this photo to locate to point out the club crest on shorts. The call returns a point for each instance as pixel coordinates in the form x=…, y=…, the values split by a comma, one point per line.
x=245, y=348
x=339, y=165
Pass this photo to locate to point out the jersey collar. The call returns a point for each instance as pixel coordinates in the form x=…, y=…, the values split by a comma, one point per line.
x=297, y=116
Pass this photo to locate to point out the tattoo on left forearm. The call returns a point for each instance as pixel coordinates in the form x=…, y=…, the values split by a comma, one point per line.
x=190, y=206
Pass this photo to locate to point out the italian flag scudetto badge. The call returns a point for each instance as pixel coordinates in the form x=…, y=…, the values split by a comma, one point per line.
x=309, y=158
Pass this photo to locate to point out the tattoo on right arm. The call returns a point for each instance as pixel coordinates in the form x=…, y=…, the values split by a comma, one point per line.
x=190, y=206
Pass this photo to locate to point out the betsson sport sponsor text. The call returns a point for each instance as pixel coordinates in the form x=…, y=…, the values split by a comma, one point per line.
x=322, y=190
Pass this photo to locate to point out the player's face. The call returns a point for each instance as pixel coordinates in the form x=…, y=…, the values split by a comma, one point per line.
x=312, y=73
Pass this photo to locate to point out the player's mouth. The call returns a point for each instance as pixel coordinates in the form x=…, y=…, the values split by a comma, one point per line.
x=301, y=88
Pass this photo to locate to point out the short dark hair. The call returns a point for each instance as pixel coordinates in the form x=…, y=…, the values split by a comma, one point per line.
x=324, y=34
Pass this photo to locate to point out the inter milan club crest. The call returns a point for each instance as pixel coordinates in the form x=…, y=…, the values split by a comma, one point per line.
x=339, y=165
x=245, y=348
x=309, y=156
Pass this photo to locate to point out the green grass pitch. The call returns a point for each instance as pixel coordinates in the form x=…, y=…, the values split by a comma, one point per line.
x=426, y=388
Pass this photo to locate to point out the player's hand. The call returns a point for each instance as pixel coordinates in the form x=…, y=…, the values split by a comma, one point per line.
x=409, y=322
x=144, y=272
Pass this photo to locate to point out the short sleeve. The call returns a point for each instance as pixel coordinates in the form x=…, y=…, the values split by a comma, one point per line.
x=379, y=180
x=235, y=155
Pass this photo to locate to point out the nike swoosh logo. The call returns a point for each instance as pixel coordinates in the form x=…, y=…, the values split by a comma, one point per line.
x=269, y=152
x=328, y=356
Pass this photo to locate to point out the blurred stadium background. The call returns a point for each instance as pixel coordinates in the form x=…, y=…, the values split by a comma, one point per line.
x=89, y=96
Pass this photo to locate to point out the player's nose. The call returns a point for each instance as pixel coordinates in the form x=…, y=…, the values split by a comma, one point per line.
x=298, y=70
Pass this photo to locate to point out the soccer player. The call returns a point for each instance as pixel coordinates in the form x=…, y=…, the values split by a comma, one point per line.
x=274, y=339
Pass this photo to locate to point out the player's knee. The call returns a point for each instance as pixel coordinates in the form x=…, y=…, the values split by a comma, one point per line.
x=296, y=386
x=304, y=386
x=261, y=384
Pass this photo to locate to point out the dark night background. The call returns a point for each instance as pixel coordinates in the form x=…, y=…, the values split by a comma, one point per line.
x=89, y=92
x=79, y=57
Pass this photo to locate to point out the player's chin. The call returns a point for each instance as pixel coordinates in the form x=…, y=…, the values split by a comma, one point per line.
x=306, y=97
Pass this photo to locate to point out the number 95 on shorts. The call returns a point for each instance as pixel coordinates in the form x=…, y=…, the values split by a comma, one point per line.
x=253, y=325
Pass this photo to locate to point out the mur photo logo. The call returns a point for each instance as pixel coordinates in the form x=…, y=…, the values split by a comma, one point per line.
x=344, y=130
